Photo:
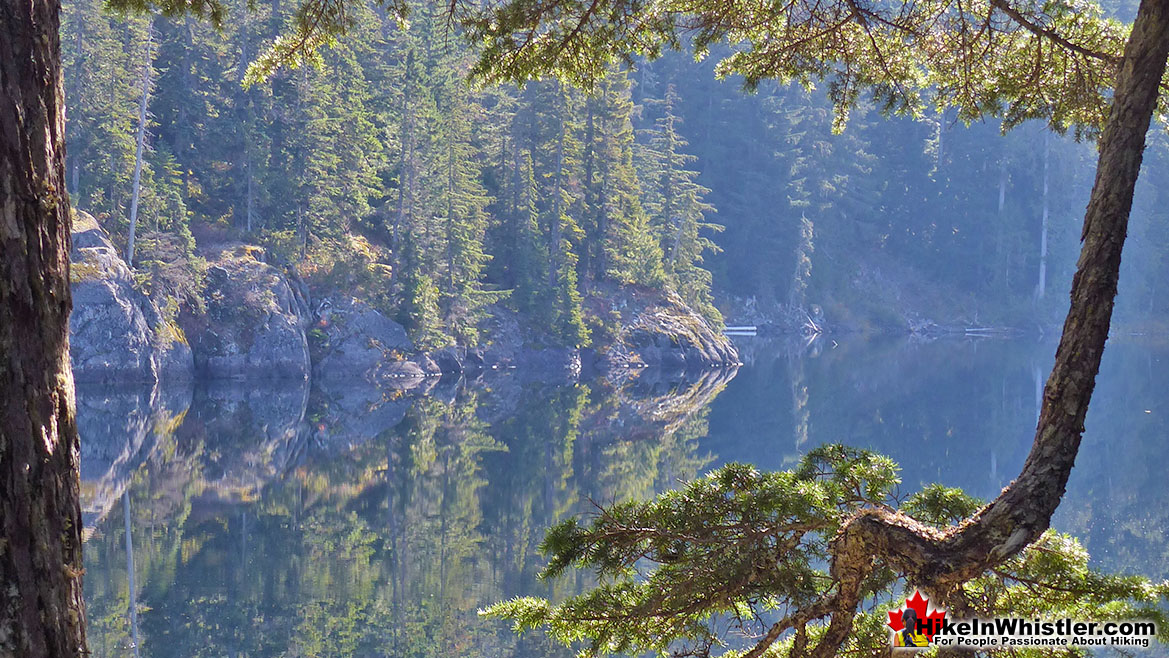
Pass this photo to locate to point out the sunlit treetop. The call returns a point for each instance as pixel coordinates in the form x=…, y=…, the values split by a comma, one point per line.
x=1023, y=60
x=1014, y=59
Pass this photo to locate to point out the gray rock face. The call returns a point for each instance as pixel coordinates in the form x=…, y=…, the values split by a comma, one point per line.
x=451, y=360
x=254, y=325
x=354, y=341
x=355, y=412
x=670, y=335
x=252, y=434
x=551, y=364
x=257, y=317
x=115, y=332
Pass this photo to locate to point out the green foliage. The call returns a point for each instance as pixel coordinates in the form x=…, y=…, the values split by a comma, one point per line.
x=567, y=315
x=498, y=190
x=351, y=263
x=984, y=58
x=940, y=506
x=675, y=202
x=420, y=313
x=733, y=538
x=619, y=243
x=676, y=571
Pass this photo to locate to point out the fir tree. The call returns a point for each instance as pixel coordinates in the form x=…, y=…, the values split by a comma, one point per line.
x=675, y=201
x=618, y=242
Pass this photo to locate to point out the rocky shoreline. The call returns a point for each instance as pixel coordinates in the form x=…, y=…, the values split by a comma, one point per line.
x=260, y=323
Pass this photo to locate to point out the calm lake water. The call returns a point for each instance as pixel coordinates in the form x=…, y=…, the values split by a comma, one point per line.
x=261, y=520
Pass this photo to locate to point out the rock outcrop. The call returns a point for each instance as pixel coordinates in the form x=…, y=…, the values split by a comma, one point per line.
x=115, y=333
x=354, y=341
x=254, y=327
x=663, y=332
x=251, y=434
x=258, y=324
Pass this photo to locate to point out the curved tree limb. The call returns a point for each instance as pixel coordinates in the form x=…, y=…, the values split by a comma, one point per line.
x=1049, y=34
x=942, y=561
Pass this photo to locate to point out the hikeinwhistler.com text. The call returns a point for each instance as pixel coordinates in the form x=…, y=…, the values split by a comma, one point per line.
x=1017, y=632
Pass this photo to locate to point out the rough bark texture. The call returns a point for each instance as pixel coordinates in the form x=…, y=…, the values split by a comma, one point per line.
x=41, y=606
x=940, y=561
x=1023, y=511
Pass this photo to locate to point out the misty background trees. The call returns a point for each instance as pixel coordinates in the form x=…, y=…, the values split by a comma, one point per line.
x=662, y=176
x=324, y=204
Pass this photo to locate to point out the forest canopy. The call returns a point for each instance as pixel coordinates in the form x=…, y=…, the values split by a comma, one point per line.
x=1017, y=60
x=564, y=193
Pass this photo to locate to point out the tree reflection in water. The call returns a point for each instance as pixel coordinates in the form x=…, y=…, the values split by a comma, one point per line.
x=361, y=522
x=355, y=522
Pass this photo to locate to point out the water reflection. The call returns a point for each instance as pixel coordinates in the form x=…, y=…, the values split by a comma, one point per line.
x=357, y=522
x=234, y=520
x=119, y=426
x=963, y=413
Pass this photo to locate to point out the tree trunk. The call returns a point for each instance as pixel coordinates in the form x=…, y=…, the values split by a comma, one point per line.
x=251, y=192
x=1001, y=264
x=406, y=141
x=1043, y=222
x=596, y=237
x=450, y=215
x=147, y=65
x=184, y=149
x=41, y=605
x=554, y=252
x=942, y=560
x=131, y=585
x=78, y=69
x=1023, y=511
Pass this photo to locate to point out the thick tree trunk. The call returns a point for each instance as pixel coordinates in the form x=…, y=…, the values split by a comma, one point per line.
x=41, y=606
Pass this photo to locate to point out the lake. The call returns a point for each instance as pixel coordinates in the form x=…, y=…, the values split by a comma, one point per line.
x=253, y=519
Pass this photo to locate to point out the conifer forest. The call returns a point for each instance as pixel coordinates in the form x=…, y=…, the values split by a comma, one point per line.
x=381, y=173
x=539, y=328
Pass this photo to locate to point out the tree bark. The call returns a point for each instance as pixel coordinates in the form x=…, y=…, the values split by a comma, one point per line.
x=555, y=257
x=941, y=561
x=1023, y=511
x=41, y=605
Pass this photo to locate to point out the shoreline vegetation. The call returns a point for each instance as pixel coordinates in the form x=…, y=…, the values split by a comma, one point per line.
x=255, y=320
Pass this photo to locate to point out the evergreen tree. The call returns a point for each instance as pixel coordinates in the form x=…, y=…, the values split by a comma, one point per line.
x=465, y=217
x=618, y=243
x=675, y=201
x=105, y=56
x=547, y=129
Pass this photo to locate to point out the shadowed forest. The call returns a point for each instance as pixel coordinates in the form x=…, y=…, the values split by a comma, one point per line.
x=662, y=176
x=366, y=351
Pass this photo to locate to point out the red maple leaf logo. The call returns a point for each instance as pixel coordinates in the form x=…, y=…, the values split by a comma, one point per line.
x=930, y=617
